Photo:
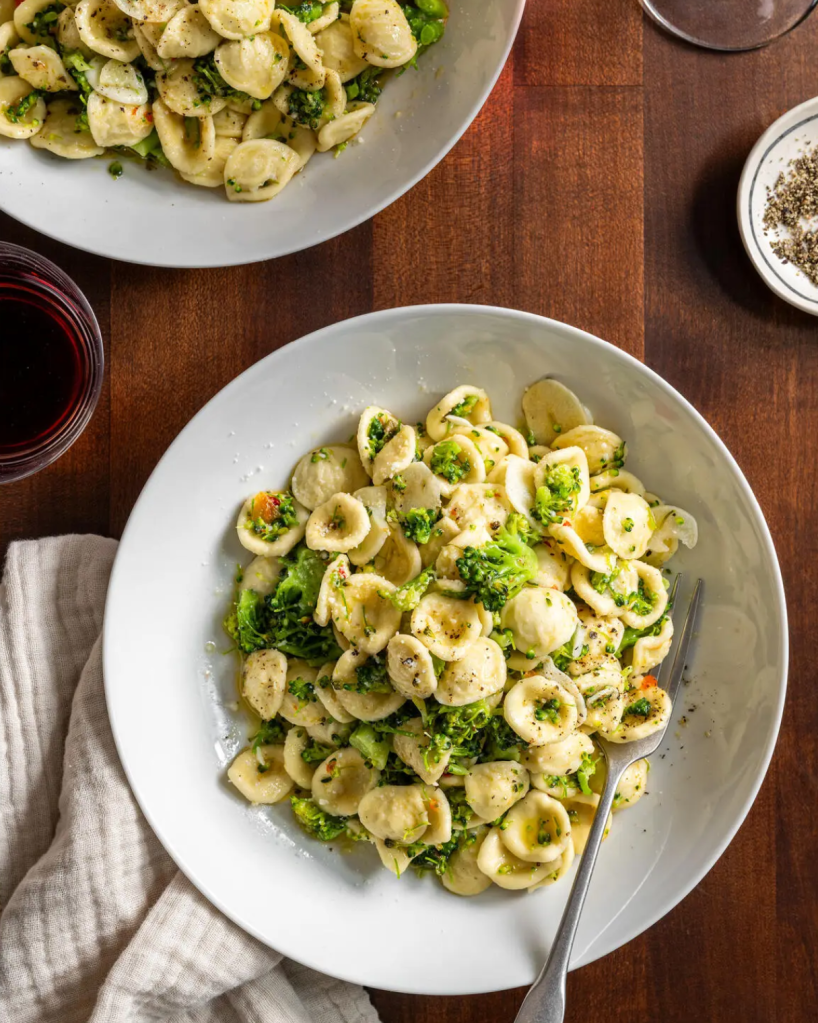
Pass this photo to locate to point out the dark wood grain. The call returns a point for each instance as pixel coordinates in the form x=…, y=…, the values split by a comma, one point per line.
x=597, y=186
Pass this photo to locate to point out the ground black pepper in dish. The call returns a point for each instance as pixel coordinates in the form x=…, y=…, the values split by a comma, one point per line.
x=792, y=201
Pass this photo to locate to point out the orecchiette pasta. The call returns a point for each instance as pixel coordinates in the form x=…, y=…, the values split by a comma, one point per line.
x=435, y=649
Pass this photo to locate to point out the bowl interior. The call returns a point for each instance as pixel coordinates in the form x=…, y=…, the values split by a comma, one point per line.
x=171, y=692
x=151, y=217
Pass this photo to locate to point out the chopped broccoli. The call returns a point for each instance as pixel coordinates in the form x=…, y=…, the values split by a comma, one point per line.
x=417, y=523
x=500, y=741
x=269, y=733
x=17, y=112
x=394, y=723
x=640, y=708
x=446, y=461
x=370, y=677
x=307, y=108
x=408, y=596
x=498, y=570
x=271, y=515
x=455, y=730
x=308, y=11
x=247, y=622
x=641, y=602
x=6, y=66
x=210, y=85
x=316, y=751
x=462, y=812
x=563, y=655
x=465, y=407
x=584, y=772
x=379, y=432
x=283, y=620
x=317, y=822
x=44, y=23
x=433, y=857
x=395, y=772
x=557, y=494
x=365, y=87
x=631, y=635
x=149, y=149
x=548, y=710
x=302, y=690
x=371, y=746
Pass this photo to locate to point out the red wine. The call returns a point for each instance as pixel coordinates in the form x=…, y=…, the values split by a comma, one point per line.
x=51, y=362
x=41, y=371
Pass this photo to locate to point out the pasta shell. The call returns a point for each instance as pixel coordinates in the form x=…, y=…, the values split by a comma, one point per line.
x=364, y=614
x=493, y=788
x=410, y=667
x=235, y=19
x=187, y=34
x=256, y=66
x=42, y=68
x=505, y=869
x=115, y=124
x=600, y=446
x=13, y=89
x=342, y=780
x=394, y=813
x=463, y=876
x=261, y=776
x=296, y=767
x=250, y=535
x=550, y=409
x=413, y=751
x=327, y=470
x=258, y=170
x=338, y=51
x=477, y=675
x=446, y=626
x=537, y=829
x=339, y=524
x=381, y=33
x=59, y=131
x=528, y=704
x=105, y=29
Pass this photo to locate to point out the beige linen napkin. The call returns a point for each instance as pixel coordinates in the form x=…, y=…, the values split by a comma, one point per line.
x=96, y=922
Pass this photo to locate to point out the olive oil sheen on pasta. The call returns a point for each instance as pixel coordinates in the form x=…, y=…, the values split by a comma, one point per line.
x=41, y=367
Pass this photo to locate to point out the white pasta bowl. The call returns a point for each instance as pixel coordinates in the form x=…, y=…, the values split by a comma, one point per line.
x=156, y=219
x=171, y=691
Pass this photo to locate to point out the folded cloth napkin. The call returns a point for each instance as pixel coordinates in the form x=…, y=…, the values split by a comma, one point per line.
x=96, y=922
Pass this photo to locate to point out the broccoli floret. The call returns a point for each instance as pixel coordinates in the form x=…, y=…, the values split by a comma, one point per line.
x=639, y=708
x=557, y=494
x=433, y=857
x=44, y=23
x=641, y=602
x=370, y=677
x=317, y=822
x=247, y=622
x=395, y=772
x=366, y=87
x=210, y=85
x=269, y=733
x=307, y=108
x=418, y=523
x=631, y=635
x=17, y=112
x=500, y=741
x=455, y=730
x=283, y=621
x=408, y=596
x=372, y=747
x=302, y=690
x=447, y=463
x=314, y=751
x=499, y=569
x=465, y=407
x=308, y=11
x=462, y=812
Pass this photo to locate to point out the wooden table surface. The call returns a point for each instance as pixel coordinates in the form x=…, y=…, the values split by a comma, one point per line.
x=597, y=187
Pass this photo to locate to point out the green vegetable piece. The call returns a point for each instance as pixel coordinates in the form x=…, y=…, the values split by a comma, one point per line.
x=556, y=495
x=317, y=822
x=372, y=747
x=497, y=571
x=408, y=596
x=640, y=708
x=418, y=523
x=445, y=461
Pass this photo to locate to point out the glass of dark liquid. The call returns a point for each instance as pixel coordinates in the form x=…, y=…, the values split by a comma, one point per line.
x=51, y=362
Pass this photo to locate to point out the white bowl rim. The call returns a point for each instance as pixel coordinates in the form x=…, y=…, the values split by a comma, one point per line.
x=474, y=110
x=753, y=164
x=381, y=317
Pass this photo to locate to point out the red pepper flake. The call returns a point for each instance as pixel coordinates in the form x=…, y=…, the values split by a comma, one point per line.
x=649, y=682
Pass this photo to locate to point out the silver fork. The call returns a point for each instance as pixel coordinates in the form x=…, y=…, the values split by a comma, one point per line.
x=545, y=1001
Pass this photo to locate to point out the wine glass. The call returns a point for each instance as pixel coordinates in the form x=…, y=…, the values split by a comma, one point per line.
x=729, y=25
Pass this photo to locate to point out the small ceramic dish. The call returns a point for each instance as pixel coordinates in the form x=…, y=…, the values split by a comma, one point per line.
x=789, y=137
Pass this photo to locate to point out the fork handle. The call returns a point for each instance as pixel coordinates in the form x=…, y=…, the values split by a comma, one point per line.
x=545, y=1001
